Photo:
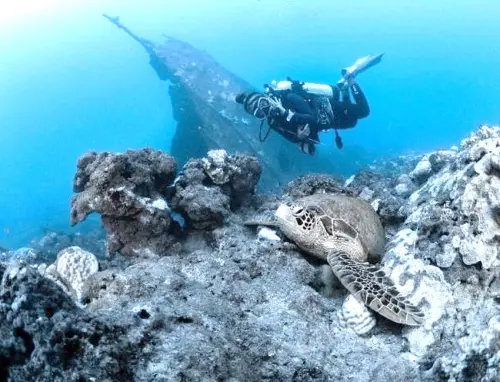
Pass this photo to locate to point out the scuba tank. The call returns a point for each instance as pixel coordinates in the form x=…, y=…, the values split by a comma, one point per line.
x=307, y=87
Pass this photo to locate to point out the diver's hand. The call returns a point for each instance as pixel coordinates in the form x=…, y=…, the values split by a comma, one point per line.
x=277, y=105
x=303, y=132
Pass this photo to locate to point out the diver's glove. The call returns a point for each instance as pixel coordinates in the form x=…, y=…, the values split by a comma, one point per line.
x=307, y=148
x=277, y=105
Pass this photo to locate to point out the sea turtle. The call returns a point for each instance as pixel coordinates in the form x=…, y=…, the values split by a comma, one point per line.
x=344, y=231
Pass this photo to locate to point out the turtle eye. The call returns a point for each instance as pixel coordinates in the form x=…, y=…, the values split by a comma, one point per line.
x=297, y=211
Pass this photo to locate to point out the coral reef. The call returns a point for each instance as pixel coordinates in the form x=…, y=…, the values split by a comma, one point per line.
x=141, y=200
x=445, y=254
x=229, y=297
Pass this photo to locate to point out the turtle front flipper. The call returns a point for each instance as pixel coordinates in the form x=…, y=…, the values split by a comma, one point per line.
x=370, y=285
x=267, y=219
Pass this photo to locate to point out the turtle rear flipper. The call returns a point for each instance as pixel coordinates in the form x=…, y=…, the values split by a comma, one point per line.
x=370, y=285
x=266, y=218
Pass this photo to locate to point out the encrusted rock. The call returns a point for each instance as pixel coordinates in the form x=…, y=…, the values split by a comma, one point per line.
x=422, y=171
x=383, y=192
x=311, y=184
x=402, y=189
x=366, y=193
x=217, y=166
x=461, y=203
x=25, y=255
x=44, y=336
x=208, y=189
x=441, y=158
x=484, y=132
x=129, y=192
x=469, y=349
x=451, y=224
x=422, y=284
x=205, y=207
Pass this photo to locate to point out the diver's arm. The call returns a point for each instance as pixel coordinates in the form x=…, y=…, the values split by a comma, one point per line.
x=293, y=116
x=299, y=118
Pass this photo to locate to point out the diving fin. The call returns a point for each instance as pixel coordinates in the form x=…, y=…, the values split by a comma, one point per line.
x=359, y=66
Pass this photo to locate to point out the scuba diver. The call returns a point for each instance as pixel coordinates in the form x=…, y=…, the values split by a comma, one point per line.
x=298, y=111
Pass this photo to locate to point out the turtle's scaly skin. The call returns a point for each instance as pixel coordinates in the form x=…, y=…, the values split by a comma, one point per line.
x=344, y=230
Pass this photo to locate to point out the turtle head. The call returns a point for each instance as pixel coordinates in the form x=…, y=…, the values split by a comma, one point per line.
x=298, y=223
x=311, y=229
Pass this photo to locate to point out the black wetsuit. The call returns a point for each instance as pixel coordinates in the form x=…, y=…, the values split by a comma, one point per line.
x=306, y=110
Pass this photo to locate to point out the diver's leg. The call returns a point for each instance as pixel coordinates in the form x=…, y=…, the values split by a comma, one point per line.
x=346, y=96
x=362, y=107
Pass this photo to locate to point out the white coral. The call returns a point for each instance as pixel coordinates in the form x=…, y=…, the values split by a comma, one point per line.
x=356, y=316
x=71, y=269
x=74, y=265
x=160, y=204
x=266, y=233
x=419, y=283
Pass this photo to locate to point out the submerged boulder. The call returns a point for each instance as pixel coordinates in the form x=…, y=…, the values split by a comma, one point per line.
x=457, y=209
x=208, y=189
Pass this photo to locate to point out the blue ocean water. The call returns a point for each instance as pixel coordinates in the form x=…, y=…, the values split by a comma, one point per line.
x=71, y=82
